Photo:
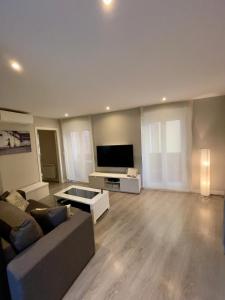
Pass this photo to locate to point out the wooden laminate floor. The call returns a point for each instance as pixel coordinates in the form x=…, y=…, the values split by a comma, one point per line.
x=156, y=245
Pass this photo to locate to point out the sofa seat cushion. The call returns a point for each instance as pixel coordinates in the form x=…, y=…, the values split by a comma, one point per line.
x=50, y=218
x=19, y=228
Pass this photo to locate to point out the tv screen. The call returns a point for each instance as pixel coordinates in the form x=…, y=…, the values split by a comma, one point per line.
x=115, y=156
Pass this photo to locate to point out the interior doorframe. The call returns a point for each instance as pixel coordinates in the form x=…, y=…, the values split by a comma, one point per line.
x=58, y=150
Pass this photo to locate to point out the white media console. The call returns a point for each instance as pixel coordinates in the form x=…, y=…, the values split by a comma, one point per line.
x=115, y=182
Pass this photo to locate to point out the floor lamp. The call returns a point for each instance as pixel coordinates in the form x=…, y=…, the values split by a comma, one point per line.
x=205, y=172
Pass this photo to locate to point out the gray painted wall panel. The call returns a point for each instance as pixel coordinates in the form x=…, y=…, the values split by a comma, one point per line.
x=115, y=128
x=209, y=132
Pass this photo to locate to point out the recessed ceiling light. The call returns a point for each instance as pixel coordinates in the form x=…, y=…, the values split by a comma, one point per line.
x=164, y=99
x=15, y=66
x=107, y=2
x=66, y=115
x=108, y=5
x=107, y=108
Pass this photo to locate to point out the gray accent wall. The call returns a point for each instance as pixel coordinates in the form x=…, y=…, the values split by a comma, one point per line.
x=208, y=129
x=115, y=128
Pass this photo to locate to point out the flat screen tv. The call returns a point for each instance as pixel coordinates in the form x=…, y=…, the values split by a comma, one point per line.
x=115, y=156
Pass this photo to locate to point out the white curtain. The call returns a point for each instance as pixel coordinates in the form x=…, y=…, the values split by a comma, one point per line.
x=78, y=148
x=166, y=146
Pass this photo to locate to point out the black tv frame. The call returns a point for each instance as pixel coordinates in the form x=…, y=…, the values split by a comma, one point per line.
x=125, y=160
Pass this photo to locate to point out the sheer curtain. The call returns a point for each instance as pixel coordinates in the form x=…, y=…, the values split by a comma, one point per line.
x=166, y=146
x=78, y=148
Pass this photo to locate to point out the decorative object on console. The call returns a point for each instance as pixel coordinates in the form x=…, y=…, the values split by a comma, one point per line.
x=205, y=172
x=132, y=172
x=12, y=142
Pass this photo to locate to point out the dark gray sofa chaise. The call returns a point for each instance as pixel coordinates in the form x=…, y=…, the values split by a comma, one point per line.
x=47, y=268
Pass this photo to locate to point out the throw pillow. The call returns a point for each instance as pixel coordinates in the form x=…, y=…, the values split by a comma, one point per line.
x=49, y=218
x=25, y=235
x=17, y=200
x=20, y=237
x=17, y=227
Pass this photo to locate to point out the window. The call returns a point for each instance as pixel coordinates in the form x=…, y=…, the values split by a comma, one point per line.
x=165, y=145
x=173, y=136
x=78, y=148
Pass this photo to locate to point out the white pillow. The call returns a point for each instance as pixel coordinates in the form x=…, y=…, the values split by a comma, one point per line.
x=17, y=200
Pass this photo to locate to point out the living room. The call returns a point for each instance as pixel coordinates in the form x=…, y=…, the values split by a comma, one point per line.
x=112, y=175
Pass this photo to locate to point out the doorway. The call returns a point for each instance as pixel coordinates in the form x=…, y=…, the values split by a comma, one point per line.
x=49, y=158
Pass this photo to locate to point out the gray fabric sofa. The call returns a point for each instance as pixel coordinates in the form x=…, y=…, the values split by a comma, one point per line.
x=47, y=268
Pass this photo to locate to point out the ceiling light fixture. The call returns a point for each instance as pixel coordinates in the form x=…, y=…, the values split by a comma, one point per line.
x=108, y=5
x=107, y=2
x=66, y=115
x=15, y=66
x=107, y=108
x=164, y=99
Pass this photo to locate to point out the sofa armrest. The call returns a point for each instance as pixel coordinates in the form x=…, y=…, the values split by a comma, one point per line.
x=47, y=269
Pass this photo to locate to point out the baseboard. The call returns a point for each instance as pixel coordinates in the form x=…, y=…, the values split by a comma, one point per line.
x=213, y=192
x=167, y=190
x=219, y=193
x=197, y=191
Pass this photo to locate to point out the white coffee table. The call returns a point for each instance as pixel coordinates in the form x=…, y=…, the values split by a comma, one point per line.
x=97, y=201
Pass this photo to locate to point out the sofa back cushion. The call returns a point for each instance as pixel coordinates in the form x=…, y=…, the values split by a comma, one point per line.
x=17, y=227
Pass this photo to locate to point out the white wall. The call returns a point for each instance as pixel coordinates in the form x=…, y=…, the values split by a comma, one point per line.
x=19, y=170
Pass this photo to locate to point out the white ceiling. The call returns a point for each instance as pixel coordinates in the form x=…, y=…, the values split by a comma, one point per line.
x=78, y=59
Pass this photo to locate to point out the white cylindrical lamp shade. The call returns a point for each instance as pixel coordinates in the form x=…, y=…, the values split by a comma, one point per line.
x=205, y=172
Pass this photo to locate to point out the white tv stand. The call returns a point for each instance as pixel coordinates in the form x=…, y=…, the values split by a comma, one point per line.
x=115, y=182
